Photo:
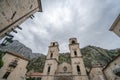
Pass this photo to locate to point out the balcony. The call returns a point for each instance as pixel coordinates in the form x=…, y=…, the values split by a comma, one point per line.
x=117, y=71
x=13, y=64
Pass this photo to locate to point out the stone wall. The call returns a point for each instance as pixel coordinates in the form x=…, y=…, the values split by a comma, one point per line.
x=14, y=12
x=110, y=68
x=96, y=74
x=18, y=73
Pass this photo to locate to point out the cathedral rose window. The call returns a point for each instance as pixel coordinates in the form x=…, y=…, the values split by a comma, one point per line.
x=65, y=68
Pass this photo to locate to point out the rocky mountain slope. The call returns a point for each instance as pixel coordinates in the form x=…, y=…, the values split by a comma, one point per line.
x=19, y=48
x=97, y=55
x=91, y=55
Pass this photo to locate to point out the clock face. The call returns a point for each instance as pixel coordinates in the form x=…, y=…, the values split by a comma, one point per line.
x=65, y=68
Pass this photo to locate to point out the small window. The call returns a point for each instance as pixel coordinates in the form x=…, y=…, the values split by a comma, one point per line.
x=75, y=53
x=78, y=69
x=53, y=44
x=51, y=55
x=6, y=75
x=73, y=42
x=48, y=69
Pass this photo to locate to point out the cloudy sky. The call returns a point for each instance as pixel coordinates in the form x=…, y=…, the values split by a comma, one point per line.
x=87, y=20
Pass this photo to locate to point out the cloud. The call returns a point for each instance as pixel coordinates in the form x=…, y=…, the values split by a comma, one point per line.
x=88, y=20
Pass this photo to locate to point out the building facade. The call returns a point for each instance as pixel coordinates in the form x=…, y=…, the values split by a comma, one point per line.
x=96, y=73
x=116, y=26
x=112, y=70
x=14, y=67
x=64, y=71
x=15, y=12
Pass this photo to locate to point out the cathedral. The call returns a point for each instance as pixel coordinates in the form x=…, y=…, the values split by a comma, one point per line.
x=74, y=71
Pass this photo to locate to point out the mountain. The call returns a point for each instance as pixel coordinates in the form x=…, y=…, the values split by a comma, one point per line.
x=37, y=64
x=97, y=55
x=20, y=48
x=91, y=55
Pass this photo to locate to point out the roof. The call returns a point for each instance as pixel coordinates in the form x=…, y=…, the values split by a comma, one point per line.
x=111, y=61
x=17, y=55
x=115, y=23
x=73, y=38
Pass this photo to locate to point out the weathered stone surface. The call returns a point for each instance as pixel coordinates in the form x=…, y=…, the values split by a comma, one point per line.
x=14, y=12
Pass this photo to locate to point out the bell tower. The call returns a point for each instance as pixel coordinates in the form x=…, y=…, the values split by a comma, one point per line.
x=51, y=63
x=78, y=67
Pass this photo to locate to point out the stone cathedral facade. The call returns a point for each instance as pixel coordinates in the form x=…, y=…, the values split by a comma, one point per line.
x=74, y=71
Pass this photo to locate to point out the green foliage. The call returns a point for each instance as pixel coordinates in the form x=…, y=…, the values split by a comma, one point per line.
x=37, y=64
x=91, y=55
x=96, y=55
x=64, y=58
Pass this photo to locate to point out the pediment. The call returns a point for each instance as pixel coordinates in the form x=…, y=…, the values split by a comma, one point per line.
x=64, y=68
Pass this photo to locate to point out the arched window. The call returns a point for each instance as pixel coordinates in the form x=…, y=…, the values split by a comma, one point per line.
x=53, y=44
x=73, y=42
x=78, y=69
x=51, y=55
x=48, y=70
x=75, y=53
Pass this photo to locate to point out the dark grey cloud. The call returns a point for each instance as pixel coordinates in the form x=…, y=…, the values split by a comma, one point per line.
x=88, y=20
